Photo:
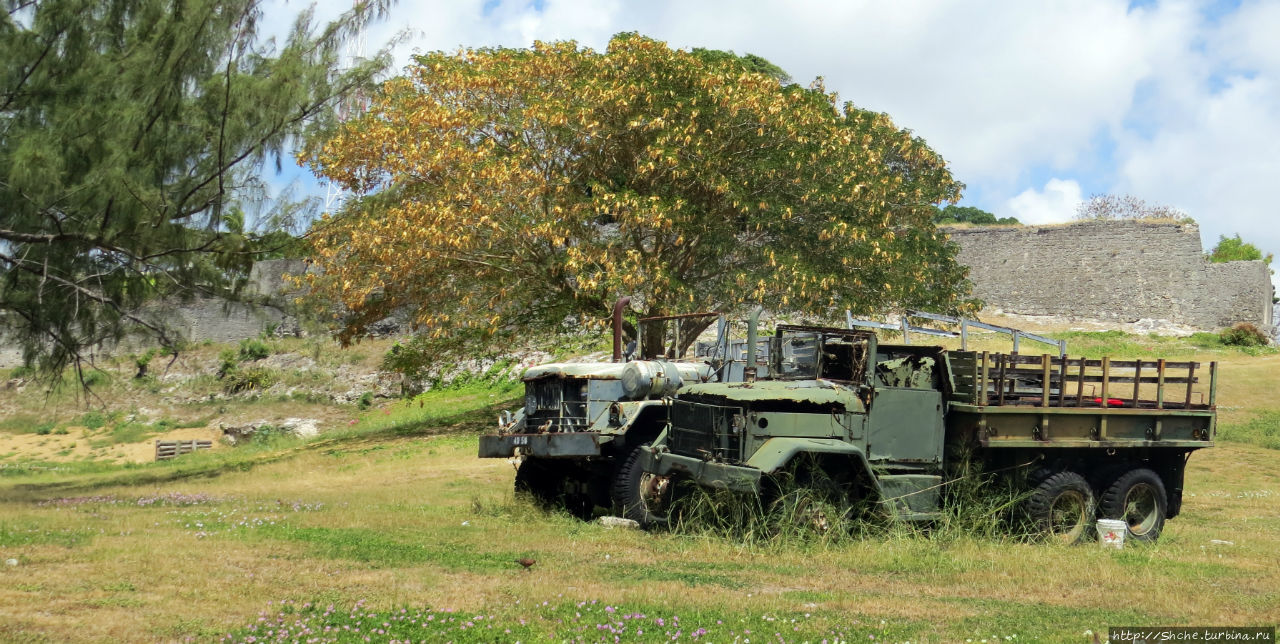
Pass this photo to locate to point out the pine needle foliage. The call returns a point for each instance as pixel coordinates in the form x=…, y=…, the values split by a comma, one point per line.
x=130, y=133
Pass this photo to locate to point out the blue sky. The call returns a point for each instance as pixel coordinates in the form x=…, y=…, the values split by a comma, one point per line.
x=1036, y=105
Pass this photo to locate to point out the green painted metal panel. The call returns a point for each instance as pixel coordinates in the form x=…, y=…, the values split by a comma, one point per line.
x=775, y=453
x=1022, y=426
x=765, y=425
x=905, y=426
x=910, y=496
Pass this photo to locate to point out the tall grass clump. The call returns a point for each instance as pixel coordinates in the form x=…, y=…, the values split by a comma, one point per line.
x=796, y=507
x=808, y=509
x=1244, y=335
x=977, y=504
x=253, y=349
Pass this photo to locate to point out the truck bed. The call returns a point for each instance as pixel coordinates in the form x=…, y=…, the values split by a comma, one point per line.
x=1009, y=400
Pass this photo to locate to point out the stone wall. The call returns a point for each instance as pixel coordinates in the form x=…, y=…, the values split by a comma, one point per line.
x=220, y=321
x=269, y=307
x=1121, y=271
x=1116, y=271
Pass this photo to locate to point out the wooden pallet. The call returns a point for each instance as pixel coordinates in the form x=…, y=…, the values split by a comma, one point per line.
x=166, y=450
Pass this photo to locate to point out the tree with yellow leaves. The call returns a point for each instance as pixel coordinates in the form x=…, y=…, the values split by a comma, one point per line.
x=509, y=189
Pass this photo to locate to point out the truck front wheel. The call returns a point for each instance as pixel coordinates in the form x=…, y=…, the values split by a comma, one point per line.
x=1138, y=498
x=641, y=496
x=542, y=483
x=1062, y=508
x=551, y=486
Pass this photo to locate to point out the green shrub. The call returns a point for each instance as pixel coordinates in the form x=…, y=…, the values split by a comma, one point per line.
x=143, y=361
x=94, y=377
x=254, y=378
x=253, y=349
x=410, y=358
x=230, y=362
x=45, y=428
x=365, y=401
x=1243, y=335
x=93, y=420
x=265, y=434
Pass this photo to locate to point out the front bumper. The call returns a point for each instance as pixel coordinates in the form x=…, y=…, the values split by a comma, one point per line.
x=705, y=473
x=549, y=445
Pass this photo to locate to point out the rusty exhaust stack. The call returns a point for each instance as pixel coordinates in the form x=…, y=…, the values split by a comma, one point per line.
x=617, y=327
x=753, y=323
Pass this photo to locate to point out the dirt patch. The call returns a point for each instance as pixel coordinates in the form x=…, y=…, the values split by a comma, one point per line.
x=48, y=447
x=146, y=452
x=79, y=443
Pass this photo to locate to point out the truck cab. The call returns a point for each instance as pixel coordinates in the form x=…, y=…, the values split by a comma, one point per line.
x=834, y=394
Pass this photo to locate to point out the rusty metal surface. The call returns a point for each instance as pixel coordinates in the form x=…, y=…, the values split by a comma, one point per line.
x=594, y=370
x=716, y=475
x=556, y=445
x=818, y=392
x=827, y=330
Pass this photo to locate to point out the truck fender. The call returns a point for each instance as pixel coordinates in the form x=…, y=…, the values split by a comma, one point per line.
x=776, y=453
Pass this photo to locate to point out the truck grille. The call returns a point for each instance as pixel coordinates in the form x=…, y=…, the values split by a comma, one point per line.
x=555, y=405
x=705, y=431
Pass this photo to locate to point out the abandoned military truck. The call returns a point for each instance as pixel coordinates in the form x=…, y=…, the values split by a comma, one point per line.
x=582, y=424
x=893, y=425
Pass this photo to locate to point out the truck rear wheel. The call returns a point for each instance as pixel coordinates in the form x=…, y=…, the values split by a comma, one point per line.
x=641, y=496
x=1138, y=498
x=1062, y=507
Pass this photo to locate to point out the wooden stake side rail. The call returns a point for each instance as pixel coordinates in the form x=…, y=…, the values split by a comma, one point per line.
x=1049, y=381
x=166, y=450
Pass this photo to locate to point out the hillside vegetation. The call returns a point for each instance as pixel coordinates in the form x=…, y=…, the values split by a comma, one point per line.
x=387, y=523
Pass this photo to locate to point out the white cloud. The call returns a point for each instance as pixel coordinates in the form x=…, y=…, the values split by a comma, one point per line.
x=1221, y=167
x=1213, y=147
x=1057, y=202
x=995, y=91
x=1176, y=102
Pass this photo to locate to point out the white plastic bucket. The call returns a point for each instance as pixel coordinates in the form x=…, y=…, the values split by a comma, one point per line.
x=1111, y=533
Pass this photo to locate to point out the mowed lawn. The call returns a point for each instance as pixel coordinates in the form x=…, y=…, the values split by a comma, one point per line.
x=405, y=535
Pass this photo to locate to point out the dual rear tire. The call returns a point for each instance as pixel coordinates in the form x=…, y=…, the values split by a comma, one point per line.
x=1063, y=507
x=1139, y=499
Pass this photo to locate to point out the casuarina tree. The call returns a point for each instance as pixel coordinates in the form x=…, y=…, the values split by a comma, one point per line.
x=131, y=131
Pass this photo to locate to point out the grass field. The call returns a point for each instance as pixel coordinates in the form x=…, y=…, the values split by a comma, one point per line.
x=391, y=529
